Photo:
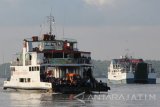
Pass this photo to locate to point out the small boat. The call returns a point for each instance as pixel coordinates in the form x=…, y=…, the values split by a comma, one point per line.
x=131, y=70
x=51, y=64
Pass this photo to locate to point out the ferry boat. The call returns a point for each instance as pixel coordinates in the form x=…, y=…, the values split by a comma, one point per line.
x=47, y=63
x=131, y=70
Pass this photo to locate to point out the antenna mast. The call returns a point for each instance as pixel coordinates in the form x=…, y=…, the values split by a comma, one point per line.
x=50, y=20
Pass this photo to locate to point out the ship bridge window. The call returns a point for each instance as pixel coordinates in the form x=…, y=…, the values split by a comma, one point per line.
x=35, y=68
x=30, y=69
x=28, y=80
x=21, y=80
x=25, y=80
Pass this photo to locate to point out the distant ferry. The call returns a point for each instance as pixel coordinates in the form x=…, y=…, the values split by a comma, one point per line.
x=130, y=70
x=47, y=63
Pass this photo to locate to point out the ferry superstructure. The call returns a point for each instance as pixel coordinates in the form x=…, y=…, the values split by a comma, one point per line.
x=47, y=63
x=131, y=70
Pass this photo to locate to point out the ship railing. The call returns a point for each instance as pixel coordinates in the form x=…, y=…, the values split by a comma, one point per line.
x=67, y=61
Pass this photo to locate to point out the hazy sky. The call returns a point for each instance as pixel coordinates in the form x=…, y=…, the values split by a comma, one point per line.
x=107, y=28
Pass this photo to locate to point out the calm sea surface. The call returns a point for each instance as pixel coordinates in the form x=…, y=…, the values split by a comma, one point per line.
x=125, y=95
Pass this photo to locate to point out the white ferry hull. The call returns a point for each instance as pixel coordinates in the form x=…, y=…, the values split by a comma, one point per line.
x=27, y=86
x=122, y=81
x=130, y=81
x=119, y=78
x=151, y=80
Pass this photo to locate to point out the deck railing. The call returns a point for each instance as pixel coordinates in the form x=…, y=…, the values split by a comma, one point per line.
x=56, y=61
x=20, y=63
x=68, y=61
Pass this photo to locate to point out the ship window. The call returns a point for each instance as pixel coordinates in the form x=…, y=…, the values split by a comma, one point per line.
x=28, y=80
x=21, y=80
x=30, y=69
x=25, y=80
x=37, y=68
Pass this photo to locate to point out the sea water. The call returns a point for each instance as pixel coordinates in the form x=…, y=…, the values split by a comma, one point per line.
x=120, y=95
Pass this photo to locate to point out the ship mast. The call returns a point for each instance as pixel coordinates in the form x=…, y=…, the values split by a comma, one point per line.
x=50, y=20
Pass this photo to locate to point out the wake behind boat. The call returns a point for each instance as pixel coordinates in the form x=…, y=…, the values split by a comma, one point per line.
x=47, y=63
